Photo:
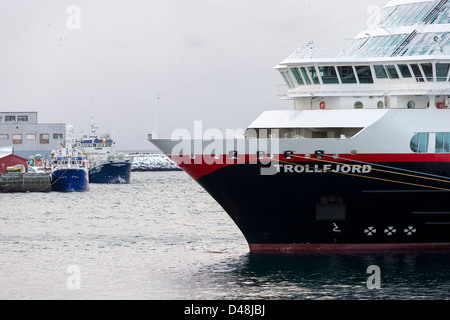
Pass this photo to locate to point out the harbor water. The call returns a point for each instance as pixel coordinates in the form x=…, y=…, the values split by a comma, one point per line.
x=162, y=237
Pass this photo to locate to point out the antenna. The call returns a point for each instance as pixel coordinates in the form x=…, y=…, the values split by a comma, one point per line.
x=154, y=134
x=93, y=127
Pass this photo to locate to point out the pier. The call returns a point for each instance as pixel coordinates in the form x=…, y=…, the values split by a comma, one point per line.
x=25, y=182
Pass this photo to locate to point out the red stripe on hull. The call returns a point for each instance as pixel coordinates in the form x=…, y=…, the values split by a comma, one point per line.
x=342, y=248
x=206, y=164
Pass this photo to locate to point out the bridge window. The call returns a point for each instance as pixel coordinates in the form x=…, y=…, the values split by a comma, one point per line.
x=419, y=143
x=364, y=74
x=329, y=75
x=347, y=74
x=305, y=75
x=314, y=75
x=442, y=142
x=428, y=71
x=392, y=72
x=442, y=71
x=297, y=76
x=380, y=72
x=288, y=79
x=404, y=70
x=417, y=73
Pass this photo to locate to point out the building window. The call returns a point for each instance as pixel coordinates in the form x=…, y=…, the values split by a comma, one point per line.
x=22, y=118
x=442, y=142
x=57, y=136
x=10, y=118
x=44, y=138
x=419, y=143
x=31, y=136
x=380, y=105
x=4, y=136
x=17, y=139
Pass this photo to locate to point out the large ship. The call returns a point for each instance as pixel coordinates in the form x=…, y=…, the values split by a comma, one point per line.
x=105, y=165
x=362, y=162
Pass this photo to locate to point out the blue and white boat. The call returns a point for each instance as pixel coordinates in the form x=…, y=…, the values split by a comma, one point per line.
x=105, y=165
x=69, y=169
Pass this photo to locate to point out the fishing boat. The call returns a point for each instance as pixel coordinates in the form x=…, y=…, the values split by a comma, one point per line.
x=69, y=168
x=361, y=162
x=105, y=165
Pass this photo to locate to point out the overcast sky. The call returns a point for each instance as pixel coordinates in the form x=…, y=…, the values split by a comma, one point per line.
x=209, y=60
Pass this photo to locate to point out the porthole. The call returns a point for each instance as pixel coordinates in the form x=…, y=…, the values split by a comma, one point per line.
x=411, y=104
x=380, y=104
x=358, y=105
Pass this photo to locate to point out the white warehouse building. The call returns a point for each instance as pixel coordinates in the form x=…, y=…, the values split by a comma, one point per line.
x=27, y=137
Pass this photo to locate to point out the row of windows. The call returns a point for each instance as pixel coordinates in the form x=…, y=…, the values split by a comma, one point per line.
x=13, y=119
x=97, y=145
x=419, y=143
x=363, y=74
x=44, y=138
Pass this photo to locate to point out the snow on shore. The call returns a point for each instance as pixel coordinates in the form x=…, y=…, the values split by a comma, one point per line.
x=152, y=162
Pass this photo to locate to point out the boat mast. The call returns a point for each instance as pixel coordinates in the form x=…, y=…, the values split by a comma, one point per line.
x=93, y=127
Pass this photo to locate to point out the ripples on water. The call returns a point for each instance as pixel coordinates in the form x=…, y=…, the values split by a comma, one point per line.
x=163, y=237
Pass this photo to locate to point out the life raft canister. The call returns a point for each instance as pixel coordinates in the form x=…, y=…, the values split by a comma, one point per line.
x=322, y=105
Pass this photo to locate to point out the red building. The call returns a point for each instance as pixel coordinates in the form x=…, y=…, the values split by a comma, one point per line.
x=10, y=160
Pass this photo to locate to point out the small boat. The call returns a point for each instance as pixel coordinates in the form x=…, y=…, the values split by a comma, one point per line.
x=105, y=165
x=69, y=169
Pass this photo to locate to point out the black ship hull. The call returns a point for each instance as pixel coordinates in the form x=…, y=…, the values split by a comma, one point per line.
x=111, y=172
x=320, y=204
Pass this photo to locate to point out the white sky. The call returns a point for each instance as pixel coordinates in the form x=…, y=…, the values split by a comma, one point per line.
x=210, y=60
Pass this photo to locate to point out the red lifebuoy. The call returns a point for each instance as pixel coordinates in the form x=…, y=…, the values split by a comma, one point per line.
x=322, y=105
